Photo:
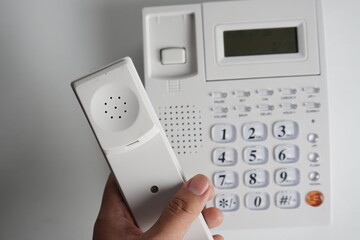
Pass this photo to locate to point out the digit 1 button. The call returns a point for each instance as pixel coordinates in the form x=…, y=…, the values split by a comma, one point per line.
x=223, y=133
x=227, y=202
x=257, y=201
x=314, y=198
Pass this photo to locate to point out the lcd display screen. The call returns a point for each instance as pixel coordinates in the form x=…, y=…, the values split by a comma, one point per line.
x=260, y=42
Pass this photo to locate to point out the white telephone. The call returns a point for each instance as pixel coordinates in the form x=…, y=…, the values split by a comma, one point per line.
x=240, y=89
x=133, y=142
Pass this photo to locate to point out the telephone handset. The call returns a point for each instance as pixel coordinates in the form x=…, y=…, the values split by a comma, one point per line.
x=132, y=140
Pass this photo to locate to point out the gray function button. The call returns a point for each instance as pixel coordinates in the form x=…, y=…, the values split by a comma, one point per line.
x=224, y=156
x=286, y=130
x=223, y=133
x=313, y=157
x=254, y=131
x=312, y=105
x=265, y=107
x=219, y=110
x=288, y=91
x=218, y=95
x=314, y=176
x=241, y=93
x=265, y=92
x=311, y=90
x=242, y=108
x=313, y=138
x=288, y=106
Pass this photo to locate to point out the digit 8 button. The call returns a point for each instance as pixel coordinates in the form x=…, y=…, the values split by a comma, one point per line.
x=314, y=198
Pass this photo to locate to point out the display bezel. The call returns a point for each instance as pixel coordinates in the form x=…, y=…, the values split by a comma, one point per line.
x=301, y=55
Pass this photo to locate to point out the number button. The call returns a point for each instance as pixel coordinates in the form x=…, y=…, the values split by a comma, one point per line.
x=255, y=155
x=287, y=199
x=226, y=179
x=254, y=131
x=227, y=202
x=256, y=178
x=286, y=153
x=224, y=156
x=257, y=201
x=223, y=133
x=286, y=130
x=287, y=177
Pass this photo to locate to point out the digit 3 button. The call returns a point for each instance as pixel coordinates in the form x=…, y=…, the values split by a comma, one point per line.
x=314, y=198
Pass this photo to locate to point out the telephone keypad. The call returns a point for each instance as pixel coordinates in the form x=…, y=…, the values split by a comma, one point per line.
x=286, y=152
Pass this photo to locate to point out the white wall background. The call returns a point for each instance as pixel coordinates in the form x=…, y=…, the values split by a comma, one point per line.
x=51, y=170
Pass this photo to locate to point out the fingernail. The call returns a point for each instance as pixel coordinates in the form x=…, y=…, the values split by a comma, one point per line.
x=198, y=185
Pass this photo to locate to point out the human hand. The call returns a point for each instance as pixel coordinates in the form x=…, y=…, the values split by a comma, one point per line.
x=115, y=222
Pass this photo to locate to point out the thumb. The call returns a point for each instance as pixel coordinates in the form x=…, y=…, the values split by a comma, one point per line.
x=183, y=209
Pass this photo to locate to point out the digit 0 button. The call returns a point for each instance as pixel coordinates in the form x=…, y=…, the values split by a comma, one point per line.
x=314, y=198
x=257, y=201
x=286, y=130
